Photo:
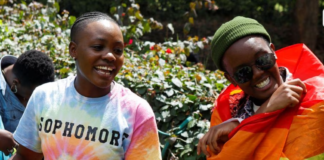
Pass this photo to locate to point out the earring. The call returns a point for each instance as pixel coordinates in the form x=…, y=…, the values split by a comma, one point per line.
x=15, y=88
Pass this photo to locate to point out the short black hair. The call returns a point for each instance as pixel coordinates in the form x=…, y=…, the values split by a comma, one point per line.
x=85, y=19
x=34, y=68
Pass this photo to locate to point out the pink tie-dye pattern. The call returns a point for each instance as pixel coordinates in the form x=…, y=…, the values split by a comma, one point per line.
x=122, y=111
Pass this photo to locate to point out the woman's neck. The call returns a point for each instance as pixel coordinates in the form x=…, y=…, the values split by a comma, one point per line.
x=91, y=90
x=8, y=75
x=257, y=101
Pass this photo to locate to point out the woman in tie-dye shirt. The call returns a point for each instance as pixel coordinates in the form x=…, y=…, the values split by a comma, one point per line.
x=89, y=116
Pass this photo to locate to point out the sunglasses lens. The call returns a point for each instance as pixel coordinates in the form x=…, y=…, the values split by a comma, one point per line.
x=266, y=61
x=243, y=74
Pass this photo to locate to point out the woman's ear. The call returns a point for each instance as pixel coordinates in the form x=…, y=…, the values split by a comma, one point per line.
x=72, y=50
x=229, y=78
x=15, y=85
x=16, y=81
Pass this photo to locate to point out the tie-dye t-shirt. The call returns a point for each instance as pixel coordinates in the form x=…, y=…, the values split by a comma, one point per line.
x=62, y=124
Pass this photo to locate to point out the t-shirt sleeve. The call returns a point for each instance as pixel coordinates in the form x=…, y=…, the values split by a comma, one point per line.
x=145, y=141
x=26, y=133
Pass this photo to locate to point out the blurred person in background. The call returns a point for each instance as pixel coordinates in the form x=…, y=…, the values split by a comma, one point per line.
x=20, y=76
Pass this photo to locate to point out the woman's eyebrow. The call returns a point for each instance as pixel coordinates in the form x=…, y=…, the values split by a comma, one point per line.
x=101, y=39
x=262, y=50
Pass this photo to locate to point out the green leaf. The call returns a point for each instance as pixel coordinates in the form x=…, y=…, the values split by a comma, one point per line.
x=132, y=19
x=185, y=134
x=138, y=15
x=146, y=27
x=161, y=62
x=177, y=82
x=113, y=10
x=178, y=145
x=200, y=45
x=173, y=111
x=183, y=58
x=193, y=157
x=192, y=97
x=161, y=98
x=207, y=85
x=141, y=90
x=64, y=70
x=187, y=150
x=170, y=26
x=165, y=107
x=57, y=6
x=71, y=20
x=176, y=103
x=169, y=92
x=138, y=32
x=181, y=117
x=154, y=79
x=160, y=75
x=202, y=124
x=158, y=116
x=189, y=140
x=165, y=114
x=186, y=28
x=219, y=86
x=205, y=107
x=192, y=123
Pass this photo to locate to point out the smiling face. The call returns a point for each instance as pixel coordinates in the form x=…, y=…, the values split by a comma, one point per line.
x=244, y=52
x=99, y=57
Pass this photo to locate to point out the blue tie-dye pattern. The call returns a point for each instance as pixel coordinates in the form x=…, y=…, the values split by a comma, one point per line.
x=54, y=104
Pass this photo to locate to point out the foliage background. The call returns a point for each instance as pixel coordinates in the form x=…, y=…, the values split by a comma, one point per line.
x=159, y=38
x=287, y=21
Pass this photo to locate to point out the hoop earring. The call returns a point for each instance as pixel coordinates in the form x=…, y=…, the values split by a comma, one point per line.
x=15, y=88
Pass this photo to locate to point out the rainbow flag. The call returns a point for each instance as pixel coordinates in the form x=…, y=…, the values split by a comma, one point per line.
x=288, y=134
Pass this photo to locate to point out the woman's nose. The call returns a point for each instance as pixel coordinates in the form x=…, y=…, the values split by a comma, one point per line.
x=109, y=56
x=257, y=72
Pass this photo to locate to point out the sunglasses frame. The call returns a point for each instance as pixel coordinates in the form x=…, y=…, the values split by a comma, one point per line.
x=259, y=67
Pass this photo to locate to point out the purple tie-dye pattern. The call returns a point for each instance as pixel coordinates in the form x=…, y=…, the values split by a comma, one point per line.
x=119, y=119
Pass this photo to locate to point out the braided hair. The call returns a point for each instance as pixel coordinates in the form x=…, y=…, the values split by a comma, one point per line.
x=87, y=18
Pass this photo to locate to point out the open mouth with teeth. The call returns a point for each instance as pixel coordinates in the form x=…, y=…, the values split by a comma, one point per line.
x=263, y=83
x=105, y=70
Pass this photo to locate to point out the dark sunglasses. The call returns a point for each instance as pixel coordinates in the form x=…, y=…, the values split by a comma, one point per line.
x=264, y=62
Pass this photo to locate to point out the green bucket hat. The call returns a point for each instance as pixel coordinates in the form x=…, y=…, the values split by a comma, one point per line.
x=230, y=32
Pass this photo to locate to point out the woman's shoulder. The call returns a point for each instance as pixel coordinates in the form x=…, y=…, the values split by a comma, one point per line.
x=129, y=98
x=122, y=91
